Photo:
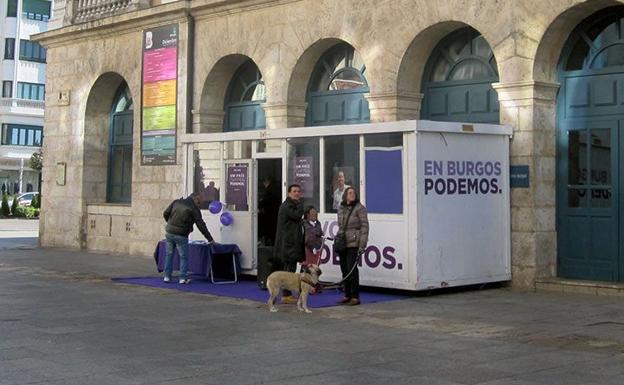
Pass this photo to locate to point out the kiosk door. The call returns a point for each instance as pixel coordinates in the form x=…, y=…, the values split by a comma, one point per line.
x=238, y=200
x=269, y=198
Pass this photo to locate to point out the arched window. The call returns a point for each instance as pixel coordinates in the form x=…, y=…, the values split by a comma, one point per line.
x=337, y=88
x=458, y=80
x=244, y=98
x=119, y=186
x=598, y=45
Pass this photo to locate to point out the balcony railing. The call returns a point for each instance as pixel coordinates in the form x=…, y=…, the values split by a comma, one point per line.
x=22, y=103
x=85, y=10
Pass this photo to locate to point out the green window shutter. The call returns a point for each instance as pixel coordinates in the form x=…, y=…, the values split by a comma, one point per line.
x=39, y=7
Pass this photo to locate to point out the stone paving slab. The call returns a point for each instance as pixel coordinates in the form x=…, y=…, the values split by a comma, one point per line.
x=63, y=321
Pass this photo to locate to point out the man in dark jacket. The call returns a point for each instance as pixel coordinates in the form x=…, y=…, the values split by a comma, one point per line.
x=181, y=215
x=289, y=243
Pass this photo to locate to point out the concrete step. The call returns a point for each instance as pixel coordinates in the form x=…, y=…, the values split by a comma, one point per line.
x=572, y=286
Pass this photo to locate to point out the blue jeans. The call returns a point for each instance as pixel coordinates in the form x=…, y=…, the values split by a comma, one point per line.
x=181, y=243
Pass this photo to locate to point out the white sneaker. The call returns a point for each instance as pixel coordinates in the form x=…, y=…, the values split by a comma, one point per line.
x=166, y=279
x=184, y=281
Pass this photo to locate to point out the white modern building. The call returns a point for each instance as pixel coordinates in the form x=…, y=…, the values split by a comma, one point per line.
x=23, y=91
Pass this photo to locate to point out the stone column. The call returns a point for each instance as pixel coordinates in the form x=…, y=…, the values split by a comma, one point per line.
x=530, y=108
x=62, y=13
x=207, y=121
x=283, y=115
x=392, y=106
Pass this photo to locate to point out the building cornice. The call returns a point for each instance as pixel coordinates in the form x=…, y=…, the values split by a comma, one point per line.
x=141, y=19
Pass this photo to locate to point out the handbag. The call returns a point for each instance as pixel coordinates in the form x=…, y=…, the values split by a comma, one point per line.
x=340, y=240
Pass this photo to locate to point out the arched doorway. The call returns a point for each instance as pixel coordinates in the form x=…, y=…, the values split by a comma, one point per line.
x=119, y=186
x=458, y=77
x=108, y=141
x=244, y=98
x=590, y=136
x=337, y=88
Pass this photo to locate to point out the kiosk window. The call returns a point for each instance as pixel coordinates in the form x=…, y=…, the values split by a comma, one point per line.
x=342, y=168
x=384, y=173
x=207, y=170
x=303, y=168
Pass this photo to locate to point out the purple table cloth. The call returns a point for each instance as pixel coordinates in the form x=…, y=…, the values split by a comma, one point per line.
x=201, y=256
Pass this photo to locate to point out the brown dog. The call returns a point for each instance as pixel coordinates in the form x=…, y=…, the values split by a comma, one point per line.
x=300, y=282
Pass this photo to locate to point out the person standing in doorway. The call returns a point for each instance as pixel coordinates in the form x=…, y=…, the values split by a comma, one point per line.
x=340, y=189
x=289, y=242
x=181, y=215
x=353, y=223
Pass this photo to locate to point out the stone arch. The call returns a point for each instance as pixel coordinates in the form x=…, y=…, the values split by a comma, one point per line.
x=301, y=75
x=209, y=117
x=551, y=45
x=96, y=134
x=414, y=63
x=415, y=58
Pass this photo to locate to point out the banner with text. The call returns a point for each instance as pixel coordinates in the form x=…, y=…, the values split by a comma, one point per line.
x=159, y=88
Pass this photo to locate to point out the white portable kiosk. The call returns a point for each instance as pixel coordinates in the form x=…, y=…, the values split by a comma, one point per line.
x=437, y=194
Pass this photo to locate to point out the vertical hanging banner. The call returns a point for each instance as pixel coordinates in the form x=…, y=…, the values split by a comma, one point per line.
x=159, y=87
x=237, y=184
x=304, y=175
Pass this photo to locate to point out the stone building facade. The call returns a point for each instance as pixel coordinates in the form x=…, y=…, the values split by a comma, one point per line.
x=90, y=56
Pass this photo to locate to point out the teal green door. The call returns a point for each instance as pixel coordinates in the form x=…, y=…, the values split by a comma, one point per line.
x=590, y=207
x=590, y=146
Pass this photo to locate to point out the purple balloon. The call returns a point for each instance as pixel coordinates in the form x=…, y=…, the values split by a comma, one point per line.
x=227, y=219
x=215, y=207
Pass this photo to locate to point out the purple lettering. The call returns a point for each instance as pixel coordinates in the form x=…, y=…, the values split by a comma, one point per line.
x=451, y=187
x=439, y=186
x=325, y=254
x=497, y=168
x=428, y=185
x=473, y=185
x=450, y=168
x=479, y=168
x=469, y=168
x=484, y=187
x=428, y=167
x=494, y=185
x=438, y=167
x=489, y=168
x=372, y=263
x=461, y=188
x=388, y=254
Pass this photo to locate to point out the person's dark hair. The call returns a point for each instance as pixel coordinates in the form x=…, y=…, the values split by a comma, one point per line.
x=307, y=210
x=292, y=186
x=344, y=196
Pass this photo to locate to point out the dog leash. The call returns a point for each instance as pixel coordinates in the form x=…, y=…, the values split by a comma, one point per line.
x=335, y=285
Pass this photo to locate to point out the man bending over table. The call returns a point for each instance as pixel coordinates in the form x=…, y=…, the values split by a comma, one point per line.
x=180, y=216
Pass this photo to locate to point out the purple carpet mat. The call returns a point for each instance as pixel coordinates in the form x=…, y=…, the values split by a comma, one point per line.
x=250, y=290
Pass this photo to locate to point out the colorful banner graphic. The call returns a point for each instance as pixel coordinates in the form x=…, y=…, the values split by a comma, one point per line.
x=159, y=118
x=159, y=106
x=161, y=93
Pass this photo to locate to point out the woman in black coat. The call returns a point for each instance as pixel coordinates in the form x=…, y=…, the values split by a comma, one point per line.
x=289, y=242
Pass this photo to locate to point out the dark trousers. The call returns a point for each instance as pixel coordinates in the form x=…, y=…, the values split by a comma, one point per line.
x=289, y=266
x=352, y=283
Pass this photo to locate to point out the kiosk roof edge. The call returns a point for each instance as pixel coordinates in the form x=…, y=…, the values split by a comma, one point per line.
x=352, y=129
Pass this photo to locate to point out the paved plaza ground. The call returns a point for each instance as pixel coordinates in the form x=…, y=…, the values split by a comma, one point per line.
x=62, y=321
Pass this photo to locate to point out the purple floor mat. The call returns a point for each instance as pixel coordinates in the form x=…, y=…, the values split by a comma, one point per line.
x=250, y=290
